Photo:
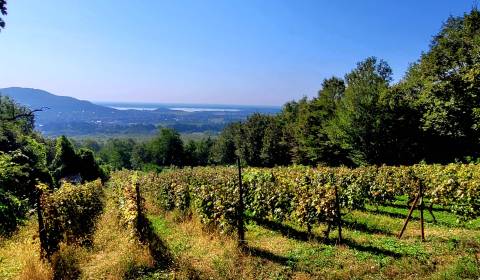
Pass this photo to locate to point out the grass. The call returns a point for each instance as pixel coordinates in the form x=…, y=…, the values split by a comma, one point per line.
x=20, y=255
x=370, y=249
x=115, y=252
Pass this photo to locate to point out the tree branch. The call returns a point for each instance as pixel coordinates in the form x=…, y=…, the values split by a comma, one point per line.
x=31, y=113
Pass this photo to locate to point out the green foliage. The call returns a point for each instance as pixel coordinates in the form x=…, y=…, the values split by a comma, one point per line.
x=12, y=212
x=118, y=153
x=123, y=183
x=65, y=162
x=140, y=156
x=357, y=125
x=88, y=166
x=23, y=163
x=307, y=195
x=198, y=153
x=311, y=123
x=249, y=139
x=258, y=142
x=274, y=150
x=223, y=150
x=167, y=148
x=70, y=213
x=70, y=163
x=445, y=85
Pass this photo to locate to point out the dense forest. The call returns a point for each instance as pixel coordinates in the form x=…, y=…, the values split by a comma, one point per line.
x=431, y=115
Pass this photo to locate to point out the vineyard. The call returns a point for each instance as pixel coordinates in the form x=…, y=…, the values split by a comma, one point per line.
x=311, y=196
x=277, y=223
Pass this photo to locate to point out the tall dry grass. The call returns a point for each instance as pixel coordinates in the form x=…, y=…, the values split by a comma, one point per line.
x=20, y=255
x=115, y=251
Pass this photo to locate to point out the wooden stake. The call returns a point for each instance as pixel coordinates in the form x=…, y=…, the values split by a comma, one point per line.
x=138, y=201
x=240, y=225
x=409, y=215
x=421, y=212
x=41, y=225
x=338, y=215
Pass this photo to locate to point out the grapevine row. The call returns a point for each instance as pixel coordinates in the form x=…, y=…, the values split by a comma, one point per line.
x=307, y=195
x=68, y=214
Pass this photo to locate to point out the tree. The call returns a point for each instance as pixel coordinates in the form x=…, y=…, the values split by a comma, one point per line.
x=446, y=85
x=13, y=206
x=274, y=150
x=140, y=156
x=167, y=148
x=3, y=12
x=88, y=166
x=288, y=118
x=23, y=163
x=313, y=142
x=65, y=162
x=249, y=139
x=203, y=151
x=224, y=149
x=357, y=124
x=68, y=162
x=191, y=154
x=91, y=145
x=118, y=153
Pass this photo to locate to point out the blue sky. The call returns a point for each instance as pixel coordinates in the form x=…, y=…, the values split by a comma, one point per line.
x=263, y=52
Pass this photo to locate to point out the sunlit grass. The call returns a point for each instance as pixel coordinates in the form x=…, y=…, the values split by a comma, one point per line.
x=371, y=249
x=20, y=255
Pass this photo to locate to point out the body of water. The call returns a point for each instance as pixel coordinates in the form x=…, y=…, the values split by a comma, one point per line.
x=183, y=107
x=132, y=108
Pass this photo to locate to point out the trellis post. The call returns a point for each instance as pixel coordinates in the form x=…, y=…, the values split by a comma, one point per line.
x=240, y=209
x=338, y=215
x=41, y=225
x=421, y=212
x=414, y=204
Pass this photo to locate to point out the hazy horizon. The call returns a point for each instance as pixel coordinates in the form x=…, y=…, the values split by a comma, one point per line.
x=171, y=104
x=260, y=53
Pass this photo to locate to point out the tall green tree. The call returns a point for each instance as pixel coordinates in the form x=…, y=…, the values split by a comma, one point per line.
x=249, y=139
x=68, y=162
x=357, y=125
x=274, y=150
x=23, y=163
x=140, y=156
x=312, y=122
x=117, y=153
x=288, y=118
x=224, y=149
x=446, y=84
x=65, y=162
x=167, y=148
x=203, y=151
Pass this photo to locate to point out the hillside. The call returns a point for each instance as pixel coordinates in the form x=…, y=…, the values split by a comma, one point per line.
x=74, y=117
x=60, y=107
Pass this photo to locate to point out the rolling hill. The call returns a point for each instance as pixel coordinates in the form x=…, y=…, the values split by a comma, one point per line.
x=73, y=117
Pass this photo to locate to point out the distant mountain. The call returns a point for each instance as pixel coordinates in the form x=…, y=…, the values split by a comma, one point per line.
x=74, y=117
x=61, y=108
